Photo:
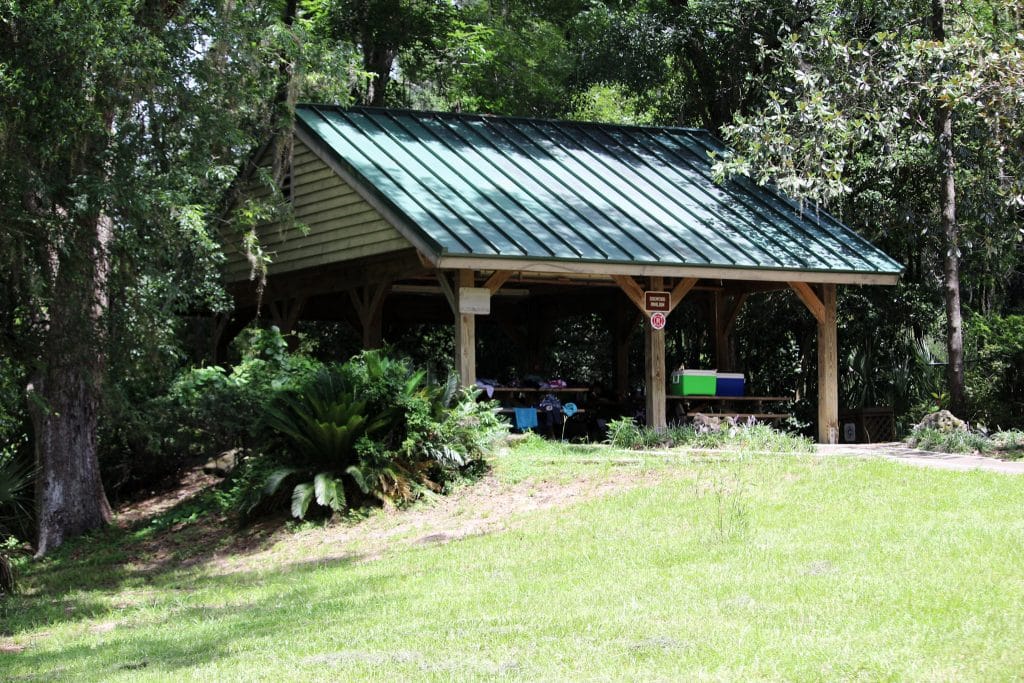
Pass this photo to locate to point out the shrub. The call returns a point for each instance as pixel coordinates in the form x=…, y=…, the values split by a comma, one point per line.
x=203, y=412
x=625, y=433
x=948, y=441
x=995, y=381
x=15, y=511
x=1008, y=444
x=15, y=496
x=371, y=426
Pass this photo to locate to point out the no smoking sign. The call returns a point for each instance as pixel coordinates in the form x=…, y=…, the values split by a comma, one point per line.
x=658, y=321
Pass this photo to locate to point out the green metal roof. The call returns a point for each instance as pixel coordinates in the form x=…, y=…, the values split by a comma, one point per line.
x=526, y=189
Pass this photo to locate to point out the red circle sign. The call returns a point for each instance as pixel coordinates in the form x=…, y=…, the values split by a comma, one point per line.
x=658, y=321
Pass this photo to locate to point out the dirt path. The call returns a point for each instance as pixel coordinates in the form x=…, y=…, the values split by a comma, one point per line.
x=487, y=506
x=945, y=461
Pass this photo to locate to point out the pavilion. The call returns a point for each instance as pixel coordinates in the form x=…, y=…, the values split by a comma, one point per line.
x=399, y=214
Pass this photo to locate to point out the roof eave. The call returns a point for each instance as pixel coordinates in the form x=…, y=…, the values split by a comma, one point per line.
x=564, y=266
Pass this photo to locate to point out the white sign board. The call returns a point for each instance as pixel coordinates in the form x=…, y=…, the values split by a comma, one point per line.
x=474, y=300
x=658, y=321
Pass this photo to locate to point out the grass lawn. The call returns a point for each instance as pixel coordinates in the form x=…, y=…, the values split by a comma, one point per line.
x=657, y=567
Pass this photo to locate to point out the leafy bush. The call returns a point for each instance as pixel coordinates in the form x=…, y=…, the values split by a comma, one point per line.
x=15, y=511
x=947, y=441
x=1008, y=444
x=625, y=433
x=203, y=412
x=995, y=381
x=371, y=426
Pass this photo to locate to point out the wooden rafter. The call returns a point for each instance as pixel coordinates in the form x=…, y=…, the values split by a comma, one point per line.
x=497, y=279
x=733, y=312
x=285, y=312
x=632, y=289
x=368, y=303
x=810, y=299
x=680, y=291
x=449, y=291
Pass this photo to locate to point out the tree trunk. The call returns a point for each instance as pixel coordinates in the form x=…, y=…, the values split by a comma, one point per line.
x=951, y=267
x=951, y=236
x=378, y=61
x=65, y=394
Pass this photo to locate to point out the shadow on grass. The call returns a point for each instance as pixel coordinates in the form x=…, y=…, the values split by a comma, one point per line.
x=158, y=553
x=193, y=635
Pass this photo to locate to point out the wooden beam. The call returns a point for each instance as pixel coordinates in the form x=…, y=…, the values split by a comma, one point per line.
x=828, y=369
x=369, y=305
x=718, y=328
x=497, y=279
x=525, y=265
x=285, y=312
x=810, y=299
x=733, y=312
x=332, y=279
x=654, y=365
x=465, y=336
x=744, y=287
x=632, y=289
x=624, y=325
x=449, y=292
x=680, y=291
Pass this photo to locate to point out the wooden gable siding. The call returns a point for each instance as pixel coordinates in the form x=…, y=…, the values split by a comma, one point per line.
x=332, y=223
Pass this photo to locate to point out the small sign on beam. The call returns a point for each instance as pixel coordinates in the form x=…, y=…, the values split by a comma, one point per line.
x=474, y=301
x=658, y=301
x=658, y=320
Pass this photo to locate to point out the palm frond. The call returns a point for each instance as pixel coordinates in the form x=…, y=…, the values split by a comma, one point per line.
x=302, y=496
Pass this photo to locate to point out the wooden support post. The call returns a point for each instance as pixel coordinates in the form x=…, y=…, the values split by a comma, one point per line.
x=654, y=364
x=724, y=316
x=654, y=342
x=721, y=342
x=369, y=305
x=828, y=369
x=823, y=308
x=625, y=324
x=465, y=336
x=220, y=326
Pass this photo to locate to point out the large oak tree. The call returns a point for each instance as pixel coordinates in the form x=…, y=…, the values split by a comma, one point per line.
x=120, y=122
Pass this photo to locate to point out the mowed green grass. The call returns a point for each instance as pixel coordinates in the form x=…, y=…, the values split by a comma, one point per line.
x=739, y=567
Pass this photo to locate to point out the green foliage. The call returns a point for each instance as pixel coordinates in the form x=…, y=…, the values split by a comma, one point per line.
x=203, y=412
x=995, y=378
x=1008, y=444
x=384, y=30
x=15, y=512
x=16, y=479
x=626, y=433
x=321, y=420
x=948, y=441
x=370, y=426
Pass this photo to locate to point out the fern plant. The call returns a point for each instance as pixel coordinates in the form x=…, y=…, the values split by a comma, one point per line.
x=318, y=425
x=15, y=510
x=371, y=426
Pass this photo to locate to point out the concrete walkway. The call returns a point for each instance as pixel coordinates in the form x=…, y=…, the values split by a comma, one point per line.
x=944, y=461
